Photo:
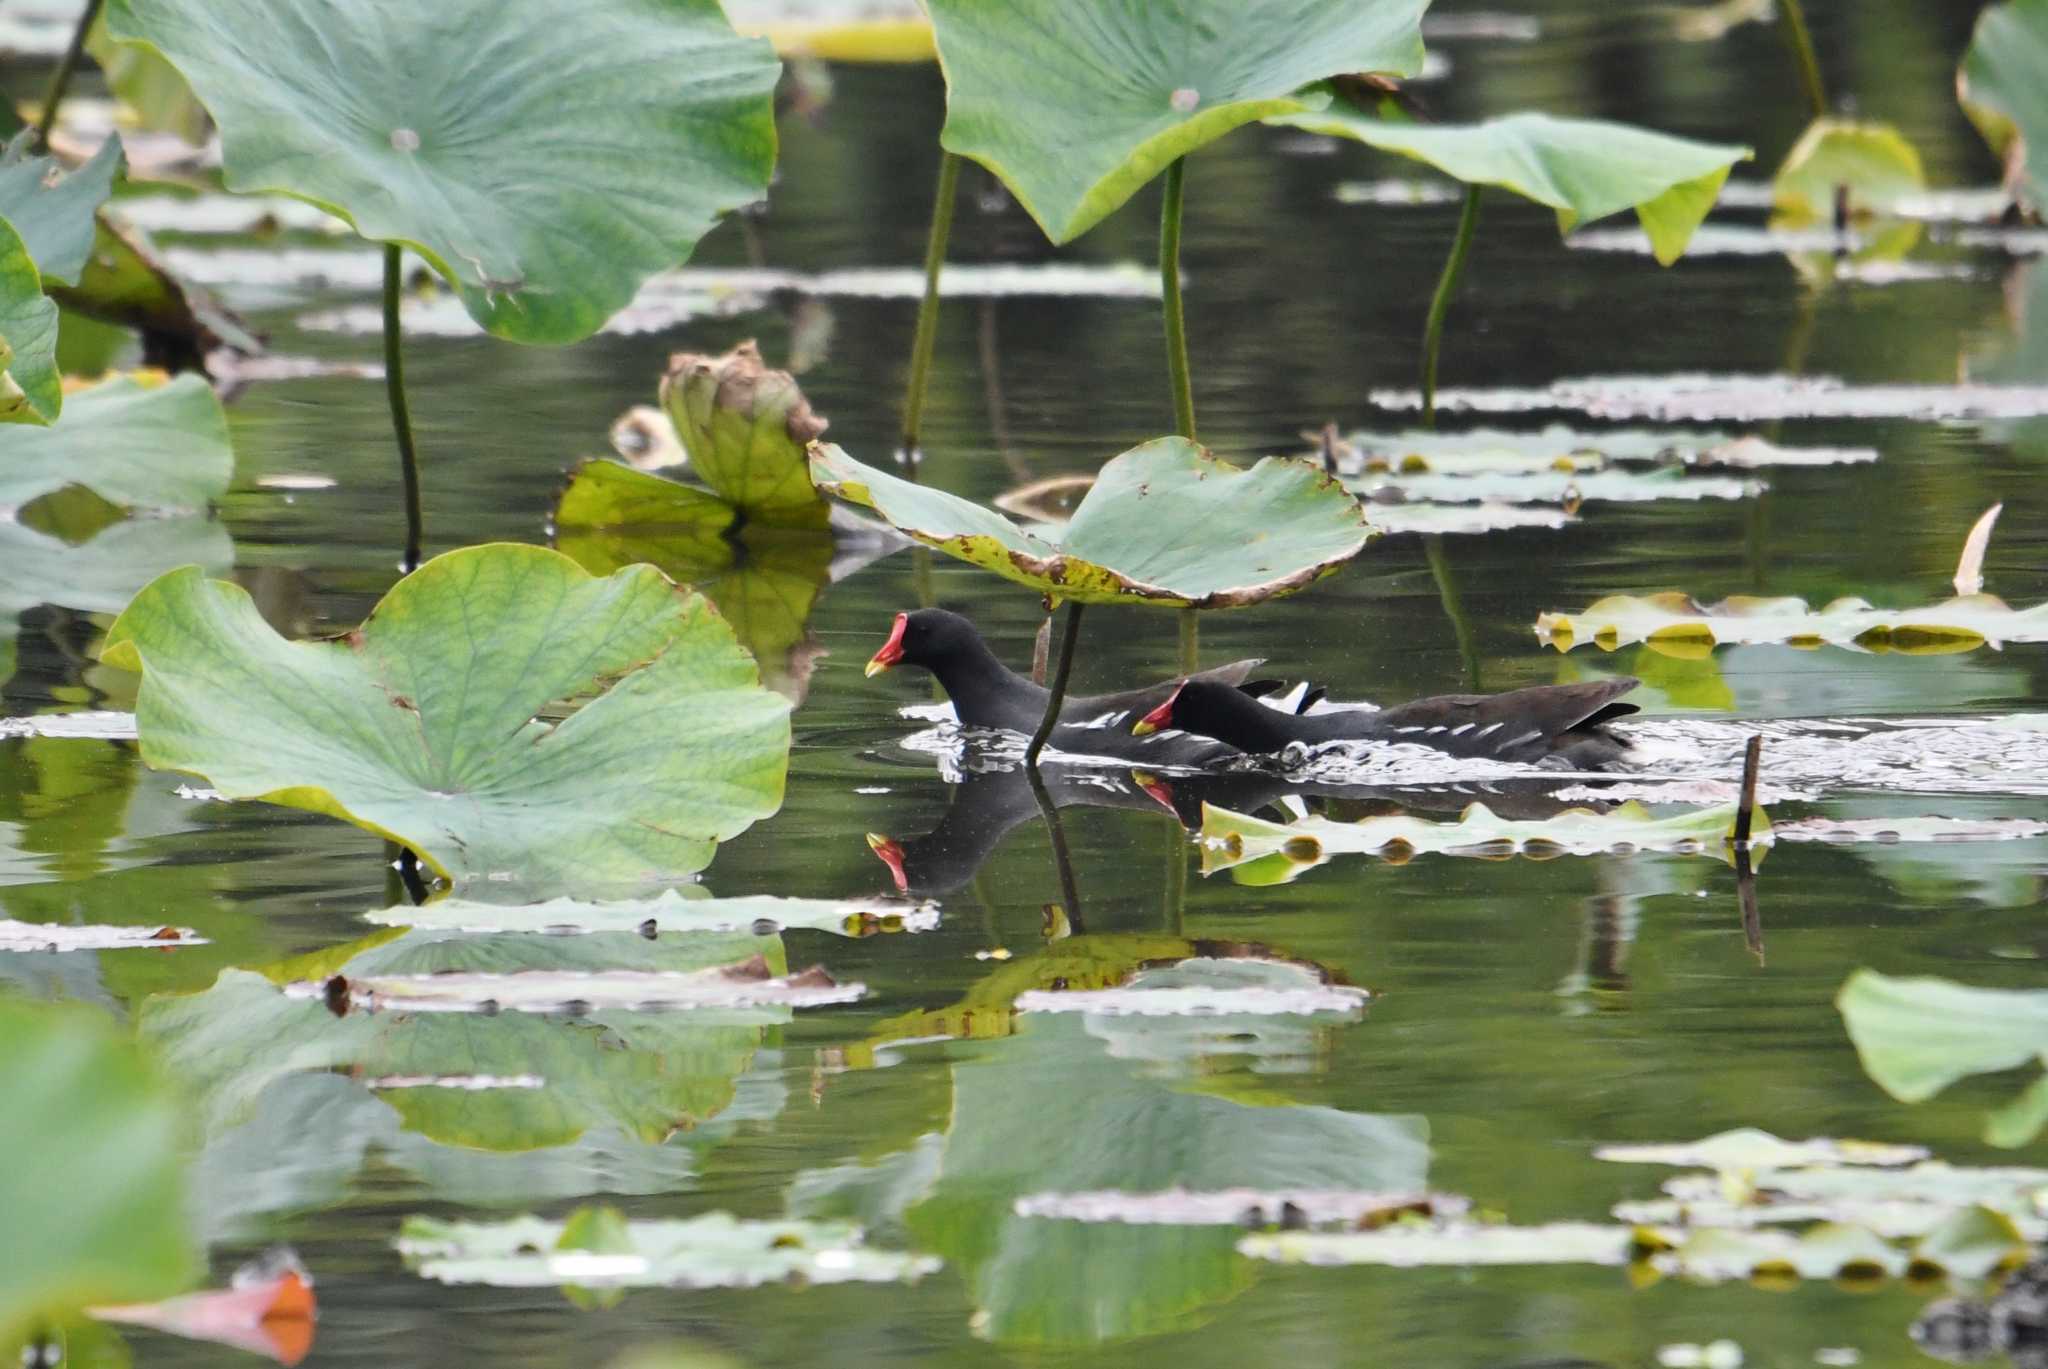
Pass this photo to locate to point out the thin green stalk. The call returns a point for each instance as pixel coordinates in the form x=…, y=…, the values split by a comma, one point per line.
x=1169, y=286
x=928, y=308
x=60, y=80
x=1454, y=606
x=1190, y=641
x=1176, y=879
x=1440, y=303
x=1063, y=861
x=401, y=415
x=1058, y=695
x=1800, y=39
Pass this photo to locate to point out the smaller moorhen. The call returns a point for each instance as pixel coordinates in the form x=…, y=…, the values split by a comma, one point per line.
x=987, y=693
x=1557, y=726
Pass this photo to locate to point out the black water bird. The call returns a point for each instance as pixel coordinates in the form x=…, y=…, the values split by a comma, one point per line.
x=1558, y=726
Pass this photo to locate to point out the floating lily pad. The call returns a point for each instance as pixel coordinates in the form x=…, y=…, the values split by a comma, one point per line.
x=1468, y=483
x=31, y=390
x=716, y=1250
x=1205, y=987
x=2000, y=86
x=53, y=209
x=609, y=494
x=1917, y=1035
x=1677, y=624
x=1483, y=516
x=1075, y=109
x=1239, y=1207
x=1585, y=169
x=1280, y=851
x=62, y=936
x=93, y=1186
x=1265, y=532
x=143, y=446
x=544, y=180
x=550, y=991
x=1454, y=1243
x=1896, y=1202
x=1693, y=398
x=1872, y=163
x=746, y=429
x=1498, y=451
x=671, y=912
x=423, y=725
x=1749, y=1149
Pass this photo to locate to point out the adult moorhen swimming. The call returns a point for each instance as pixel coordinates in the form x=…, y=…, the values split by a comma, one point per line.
x=1559, y=726
x=987, y=693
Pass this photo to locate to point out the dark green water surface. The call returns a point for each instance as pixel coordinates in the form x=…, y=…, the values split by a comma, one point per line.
x=1526, y=1011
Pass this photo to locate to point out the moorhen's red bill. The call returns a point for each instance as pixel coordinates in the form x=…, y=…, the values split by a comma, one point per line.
x=1563, y=725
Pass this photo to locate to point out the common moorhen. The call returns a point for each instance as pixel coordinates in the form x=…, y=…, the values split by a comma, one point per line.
x=1559, y=726
x=987, y=693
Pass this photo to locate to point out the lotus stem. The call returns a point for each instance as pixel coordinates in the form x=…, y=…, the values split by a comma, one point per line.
x=1745, y=812
x=1176, y=879
x=1454, y=606
x=1440, y=303
x=1190, y=641
x=401, y=415
x=1800, y=39
x=1169, y=287
x=1745, y=897
x=1058, y=694
x=1062, y=859
x=928, y=309
x=60, y=80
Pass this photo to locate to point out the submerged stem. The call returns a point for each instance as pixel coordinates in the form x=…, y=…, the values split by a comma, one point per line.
x=60, y=80
x=928, y=308
x=1800, y=39
x=1440, y=303
x=1454, y=606
x=1190, y=641
x=1063, y=861
x=1058, y=693
x=1169, y=286
x=401, y=415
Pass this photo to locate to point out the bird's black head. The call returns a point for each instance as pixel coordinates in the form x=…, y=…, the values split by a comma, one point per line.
x=927, y=637
x=1221, y=711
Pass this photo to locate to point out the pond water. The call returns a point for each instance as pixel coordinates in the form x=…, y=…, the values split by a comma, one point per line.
x=1524, y=1012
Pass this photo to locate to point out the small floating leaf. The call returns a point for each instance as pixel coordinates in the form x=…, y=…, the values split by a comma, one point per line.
x=673, y=911
x=1452, y=1243
x=1693, y=398
x=581, y=991
x=1917, y=1035
x=142, y=446
x=1494, y=451
x=62, y=936
x=1166, y=523
x=1240, y=1207
x=2001, y=90
x=423, y=725
x=1026, y=94
x=545, y=180
x=1204, y=987
x=93, y=1187
x=1673, y=622
x=1466, y=482
x=1231, y=840
x=1585, y=169
x=1749, y=1149
x=716, y=1250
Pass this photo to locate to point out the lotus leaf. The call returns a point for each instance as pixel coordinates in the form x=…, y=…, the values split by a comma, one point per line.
x=1455, y=1243
x=1483, y=516
x=1231, y=840
x=1748, y=1149
x=544, y=179
x=1241, y=1206
x=746, y=429
x=1916, y=1036
x=715, y=1250
x=646, y=1074
x=1870, y=162
x=2001, y=89
x=53, y=210
x=1209, y=989
x=1471, y=486
x=1928, y=1200
x=1556, y=447
x=608, y=494
x=142, y=446
x=423, y=725
x=1585, y=169
x=670, y=913
x=31, y=390
x=1677, y=624
x=1701, y=398
x=1166, y=523
x=93, y=1186
x=1077, y=105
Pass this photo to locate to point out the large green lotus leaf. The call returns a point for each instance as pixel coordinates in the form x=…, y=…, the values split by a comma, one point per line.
x=2003, y=90
x=715, y=1250
x=93, y=1184
x=1075, y=104
x=1675, y=623
x=1916, y=1036
x=53, y=210
x=647, y=1074
x=141, y=446
x=545, y=172
x=1585, y=169
x=31, y=390
x=1278, y=851
x=423, y=725
x=1164, y=523
x=1057, y=1109
x=746, y=429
